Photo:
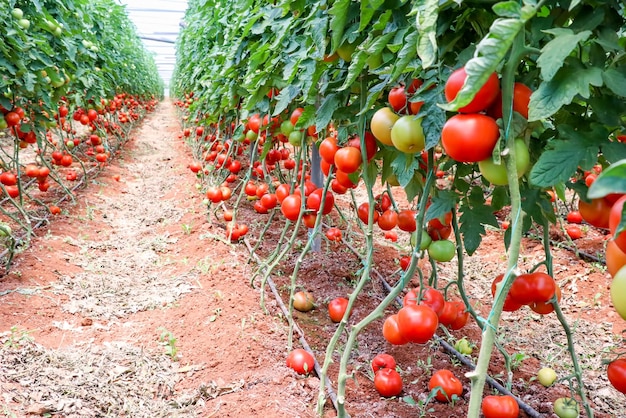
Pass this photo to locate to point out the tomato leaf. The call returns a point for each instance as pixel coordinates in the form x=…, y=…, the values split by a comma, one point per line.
x=426, y=23
x=285, y=97
x=339, y=13
x=404, y=166
x=611, y=180
x=406, y=54
x=474, y=216
x=613, y=151
x=368, y=8
x=414, y=187
x=307, y=118
x=326, y=110
x=616, y=80
x=553, y=54
x=568, y=82
x=441, y=204
x=433, y=123
x=557, y=165
x=357, y=64
x=510, y=9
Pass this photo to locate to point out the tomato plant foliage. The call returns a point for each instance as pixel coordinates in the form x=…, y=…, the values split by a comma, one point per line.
x=556, y=71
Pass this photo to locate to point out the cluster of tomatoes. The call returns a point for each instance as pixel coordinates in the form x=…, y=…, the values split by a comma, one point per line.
x=537, y=290
x=422, y=312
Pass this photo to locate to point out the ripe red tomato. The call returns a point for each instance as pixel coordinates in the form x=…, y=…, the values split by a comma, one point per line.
x=532, y=287
x=269, y=200
x=446, y=384
x=12, y=119
x=337, y=309
x=295, y=115
x=574, y=231
x=301, y=361
x=388, y=220
x=617, y=374
x=250, y=189
x=371, y=147
x=290, y=207
x=448, y=313
x=348, y=159
x=343, y=179
x=544, y=308
x=333, y=234
x=388, y=382
x=574, y=217
x=462, y=316
x=383, y=361
x=397, y=99
x=521, y=99
x=615, y=258
x=406, y=220
x=309, y=219
x=405, y=260
x=596, y=212
x=363, y=212
x=214, y=194
x=314, y=201
x=282, y=191
x=328, y=147
x=391, y=331
x=484, y=97
x=391, y=236
x=504, y=406
x=469, y=138
x=615, y=217
x=254, y=123
x=430, y=297
x=383, y=202
x=337, y=187
x=438, y=230
x=8, y=178
x=510, y=304
x=417, y=323
x=55, y=210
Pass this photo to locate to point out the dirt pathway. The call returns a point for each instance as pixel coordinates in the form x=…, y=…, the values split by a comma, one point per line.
x=129, y=305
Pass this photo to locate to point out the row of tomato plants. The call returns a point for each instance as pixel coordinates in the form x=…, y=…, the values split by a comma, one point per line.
x=75, y=79
x=515, y=99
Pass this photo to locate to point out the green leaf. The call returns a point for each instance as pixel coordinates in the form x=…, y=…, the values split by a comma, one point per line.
x=613, y=151
x=368, y=8
x=405, y=55
x=404, y=167
x=561, y=90
x=285, y=97
x=473, y=220
x=553, y=54
x=441, y=204
x=611, y=180
x=558, y=164
x=414, y=187
x=510, y=9
x=339, y=13
x=615, y=80
x=426, y=23
x=356, y=68
x=326, y=110
x=490, y=51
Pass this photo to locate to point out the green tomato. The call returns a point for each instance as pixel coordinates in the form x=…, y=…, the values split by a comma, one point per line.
x=618, y=292
x=5, y=230
x=442, y=250
x=407, y=134
x=24, y=23
x=286, y=127
x=69, y=145
x=496, y=173
x=346, y=50
x=295, y=138
x=566, y=408
x=546, y=376
x=58, y=31
x=463, y=346
x=426, y=240
x=251, y=135
x=17, y=13
x=3, y=124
